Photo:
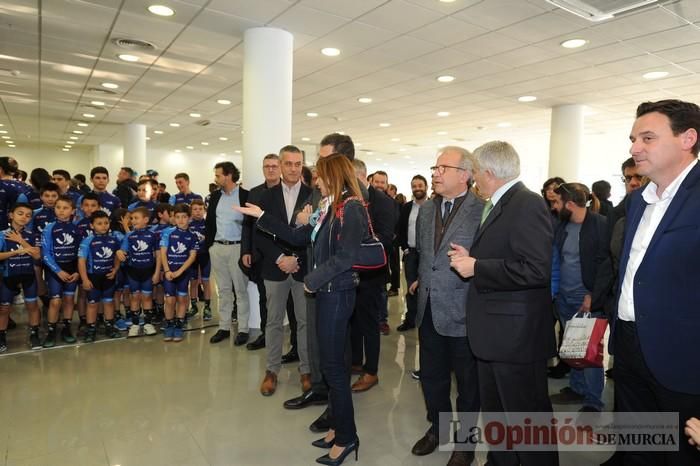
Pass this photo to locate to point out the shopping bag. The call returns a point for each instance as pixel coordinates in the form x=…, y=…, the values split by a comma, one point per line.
x=582, y=345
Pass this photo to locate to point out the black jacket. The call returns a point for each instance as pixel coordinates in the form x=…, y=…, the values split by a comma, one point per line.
x=402, y=227
x=210, y=222
x=126, y=191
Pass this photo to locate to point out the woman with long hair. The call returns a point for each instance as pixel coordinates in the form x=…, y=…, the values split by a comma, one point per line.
x=336, y=230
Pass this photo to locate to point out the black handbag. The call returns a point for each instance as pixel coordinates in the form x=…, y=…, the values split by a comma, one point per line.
x=372, y=255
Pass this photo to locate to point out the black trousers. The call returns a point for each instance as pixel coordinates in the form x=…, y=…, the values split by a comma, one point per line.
x=410, y=269
x=292, y=322
x=440, y=356
x=508, y=387
x=395, y=267
x=636, y=389
x=364, y=331
x=263, y=303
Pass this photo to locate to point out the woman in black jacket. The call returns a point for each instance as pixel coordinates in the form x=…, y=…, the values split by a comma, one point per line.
x=336, y=230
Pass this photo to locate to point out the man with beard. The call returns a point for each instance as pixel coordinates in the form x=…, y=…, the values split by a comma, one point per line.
x=407, y=242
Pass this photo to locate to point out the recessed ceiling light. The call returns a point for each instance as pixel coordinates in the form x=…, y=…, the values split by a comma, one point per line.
x=441, y=133
x=443, y=114
x=77, y=131
x=384, y=125
x=65, y=150
x=504, y=124
x=83, y=125
x=306, y=139
x=157, y=132
x=67, y=146
x=11, y=145
x=175, y=125
x=527, y=98
x=1, y=125
x=75, y=138
x=223, y=138
x=403, y=149
x=223, y=102
x=237, y=151
x=6, y=137
x=161, y=10
x=330, y=52
x=99, y=103
x=128, y=57
x=446, y=78
x=204, y=143
x=365, y=100
x=655, y=74
x=574, y=43
x=447, y=1
x=70, y=142
x=110, y=85
x=311, y=114
x=178, y=150
x=195, y=115
x=88, y=115
x=2, y=131
x=395, y=139
x=223, y=154
x=148, y=138
x=189, y=147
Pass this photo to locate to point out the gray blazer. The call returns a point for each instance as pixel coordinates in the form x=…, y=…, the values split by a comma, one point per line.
x=436, y=280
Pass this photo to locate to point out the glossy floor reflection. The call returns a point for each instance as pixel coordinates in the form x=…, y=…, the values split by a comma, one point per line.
x=145, y=402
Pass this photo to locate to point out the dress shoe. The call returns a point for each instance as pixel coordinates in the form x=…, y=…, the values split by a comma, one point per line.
x=305, y=382
x=306, y=399
x=241, y=339
x=364, y=383
x=326, y=459
x=461, y=458
x=426, y=445
x=321, y=443
x=405, y=326
x=321, y=424
x=269, y=384
x=392, y=292
x=567, y=397
x=259, y=343
x=559, y=371
x=220, y=335
x=384, y=328
x=357, y=370
x=292, y=356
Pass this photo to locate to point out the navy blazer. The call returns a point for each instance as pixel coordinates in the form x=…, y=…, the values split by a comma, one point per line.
x=667, y=287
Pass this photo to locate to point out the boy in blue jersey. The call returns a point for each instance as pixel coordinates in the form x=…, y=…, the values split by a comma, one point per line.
x=202, y=266
x=164, y=212
x=89, y=204
x=178, y=249
x=17, y=255
x=98, y=266
x=100, y=179
x=59, y=250
x=144, y=192
x=140, y=251
x=62, y=180
x=184, y=195
x=42, y=217
x=119, y=227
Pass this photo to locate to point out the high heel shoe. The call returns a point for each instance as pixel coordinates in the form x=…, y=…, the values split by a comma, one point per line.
x=326, y=459
x=321, y=443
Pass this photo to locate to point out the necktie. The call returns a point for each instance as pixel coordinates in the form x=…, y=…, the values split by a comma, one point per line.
x=446, y=211
x=487, y=210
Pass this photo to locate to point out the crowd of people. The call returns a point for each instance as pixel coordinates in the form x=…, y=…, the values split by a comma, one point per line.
x=494, y=273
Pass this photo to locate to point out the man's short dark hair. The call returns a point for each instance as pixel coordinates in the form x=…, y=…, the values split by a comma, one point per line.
x=162, y=185
x=62, y=173
x=143, y=181
x=381, y=172
x=342, y=144
x=164, y=207
x=271, y=157
x=8, y=165
x=629, y=163
x=129, y=171
x=181, y=208
x=683, y=116
x=51, y=187
x=290, y=148
x=98, y=214
x=182, y=175
x=228, y=168
x=67, y=199
x=306, y=175
x=420, y=177
x=90, y=197
x=601, y=189
x=96, y=171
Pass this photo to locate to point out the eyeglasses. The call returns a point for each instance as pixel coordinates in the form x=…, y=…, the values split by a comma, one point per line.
x=563, y=187
x=441, y=169
x=628, y=178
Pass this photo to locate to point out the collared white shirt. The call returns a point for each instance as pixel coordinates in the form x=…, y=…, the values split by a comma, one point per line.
x=290, y=193
x=498, y=194
x=653, y=214
x=412, y=218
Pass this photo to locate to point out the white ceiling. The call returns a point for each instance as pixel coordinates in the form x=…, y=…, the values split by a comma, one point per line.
x=392, y=51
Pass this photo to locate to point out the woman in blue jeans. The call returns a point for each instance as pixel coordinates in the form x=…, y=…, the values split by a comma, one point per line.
x=336, y=230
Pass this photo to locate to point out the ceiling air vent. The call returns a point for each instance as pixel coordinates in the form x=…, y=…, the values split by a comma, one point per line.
x=101, y=90
x=218, y=124
x=133, y=44
x=599, y=10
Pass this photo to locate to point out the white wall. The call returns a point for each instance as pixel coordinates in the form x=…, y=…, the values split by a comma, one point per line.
x=30, y=157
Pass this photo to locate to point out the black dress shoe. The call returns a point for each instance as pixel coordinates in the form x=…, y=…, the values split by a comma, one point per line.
x=308, y=398
x=559, y=371
x=404, y=326
x=321, y=443
x=426, y=445
x=326, y=459
x=259, y=343
x=241, y=339
x=220, y=335
x=292, y=356
x=321, y=424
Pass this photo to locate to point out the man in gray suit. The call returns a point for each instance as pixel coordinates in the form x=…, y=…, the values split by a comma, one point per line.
x=451, y=217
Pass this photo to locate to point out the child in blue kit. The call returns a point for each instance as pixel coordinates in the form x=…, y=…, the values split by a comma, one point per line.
x=164, y=213
x=42, y=217
x=202, y=266
x=119, y=227
x=144, y=193
x=178, y=249
x=89, y=204
x=59, y=250
x=17, y=255
x=140, y=251
x=98, y=266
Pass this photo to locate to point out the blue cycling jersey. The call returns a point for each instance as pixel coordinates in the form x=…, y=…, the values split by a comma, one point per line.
x=180, y=198
x=179, y=244
x=59, y=244
x=150, y=205
x=108, y=202
x=99, y=251
x=22, y=264
x=10, y=194
x=140, y=247
x=198, y=227
x=84, y=227
x=41, y=218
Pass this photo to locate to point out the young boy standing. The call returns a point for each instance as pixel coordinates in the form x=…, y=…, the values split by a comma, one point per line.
x=178, y=249
x=42, y=217
x=202, y=266
x=144, y=193
x=100, y=179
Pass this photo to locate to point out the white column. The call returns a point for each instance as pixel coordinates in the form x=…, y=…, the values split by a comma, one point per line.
x=565, y=142
x=267, y=98
x=135, y=147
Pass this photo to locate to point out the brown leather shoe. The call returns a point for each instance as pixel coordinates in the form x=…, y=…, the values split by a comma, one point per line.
x=269, y=384
x=461, y=458
x=426, y=445
x=364, y=383
x=305, y=382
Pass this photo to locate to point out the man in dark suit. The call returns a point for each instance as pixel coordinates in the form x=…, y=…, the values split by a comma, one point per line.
x=371, y=292
x=657, y=320
x=223, y=232
x=509, y=315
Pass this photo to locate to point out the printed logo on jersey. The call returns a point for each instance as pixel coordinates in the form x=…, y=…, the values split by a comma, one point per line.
x=140, y=246
x=104, y=253
x=200, y=237
x=179, y=249
x=65, y=240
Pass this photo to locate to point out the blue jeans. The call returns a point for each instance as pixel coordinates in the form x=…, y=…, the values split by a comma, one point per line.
x=334, y=310
x=590, y=381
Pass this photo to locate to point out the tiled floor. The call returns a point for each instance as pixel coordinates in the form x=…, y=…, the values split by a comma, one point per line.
x=145, y=402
